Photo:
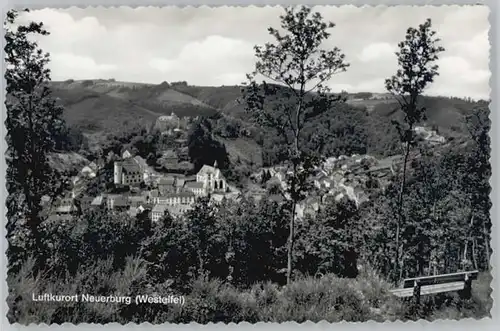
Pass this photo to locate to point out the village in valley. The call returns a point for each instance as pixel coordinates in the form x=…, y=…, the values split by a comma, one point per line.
x=139, y=187
x=303, y=176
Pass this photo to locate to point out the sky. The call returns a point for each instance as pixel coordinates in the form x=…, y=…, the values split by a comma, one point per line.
x=214, y=46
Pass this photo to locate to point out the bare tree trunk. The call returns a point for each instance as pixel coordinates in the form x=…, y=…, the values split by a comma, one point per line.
x=464, y=259
x=400, y=209
x=402, y=268
x=290, y=245
x=201, y=264
x=487, y=244
x=467, y=241
x=474, y=260
x=294, y=186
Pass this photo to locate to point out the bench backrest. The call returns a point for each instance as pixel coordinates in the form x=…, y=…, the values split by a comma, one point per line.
x=440, y=279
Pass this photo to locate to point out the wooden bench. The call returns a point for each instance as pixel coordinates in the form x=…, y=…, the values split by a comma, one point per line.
x=415, y=287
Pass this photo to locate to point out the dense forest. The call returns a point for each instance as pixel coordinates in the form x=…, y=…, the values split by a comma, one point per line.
x=253, y=259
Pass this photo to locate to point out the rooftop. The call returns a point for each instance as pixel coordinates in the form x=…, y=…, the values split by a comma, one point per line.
x=159, y=208
x=169, y=153
x=140, y=161
x=97, y=201
x=166, y=181
x=180, y=194
x=120, y=202
x=194, y=185
x=206, y=169
x=66, y=209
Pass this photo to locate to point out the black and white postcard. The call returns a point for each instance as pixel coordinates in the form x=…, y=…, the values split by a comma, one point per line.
x=247, y=164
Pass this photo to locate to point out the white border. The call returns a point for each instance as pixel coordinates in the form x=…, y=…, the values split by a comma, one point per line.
x=442, y=325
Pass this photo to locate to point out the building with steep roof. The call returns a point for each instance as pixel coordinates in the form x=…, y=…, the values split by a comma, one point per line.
x=128, y=172
x=212, y=179
x=126, y=154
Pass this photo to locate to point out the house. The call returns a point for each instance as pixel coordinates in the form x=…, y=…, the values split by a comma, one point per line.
x=178, y=210
x=128, y=172
x=166, y=185
x=167, y=122
x=179, y=184
x=169, y=159
x=88, y=172
x=98, y=201
x=212, y=179
x=158, y=212
x=66, y=208
x=117, y=202
x=197, y=188
x=126, y=154
x=151, y=196
x=137, y=200
x=174, y=199
x=143, y=166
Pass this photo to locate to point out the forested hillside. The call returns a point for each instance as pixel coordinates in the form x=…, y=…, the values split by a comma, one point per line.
x=362, y=126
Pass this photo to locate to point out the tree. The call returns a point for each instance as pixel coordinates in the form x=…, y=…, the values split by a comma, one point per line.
x=300, y=68
x=416, y=59
x=204, y=149
x=33, y=123
x=478, y=176
x=334, y=240
x=201, y=227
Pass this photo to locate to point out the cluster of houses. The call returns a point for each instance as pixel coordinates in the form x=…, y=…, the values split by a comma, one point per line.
x=336, y=178
x=147, y=191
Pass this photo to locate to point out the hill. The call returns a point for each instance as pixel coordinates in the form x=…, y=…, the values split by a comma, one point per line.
x=362, y=125
x=107, y=105
x=96, y=105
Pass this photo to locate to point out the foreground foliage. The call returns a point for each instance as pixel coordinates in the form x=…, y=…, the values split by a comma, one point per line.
x=329, y=298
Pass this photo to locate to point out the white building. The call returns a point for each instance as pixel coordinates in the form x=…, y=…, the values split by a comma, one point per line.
x=174, y=199
x=198, y=188
x=131, y=171
x=88, y=172
x=212, y=179
x=127, y=172
x=158, y=212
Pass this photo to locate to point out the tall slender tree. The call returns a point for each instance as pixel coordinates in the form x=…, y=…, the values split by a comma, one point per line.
x=417, y=58
x=297, y=68
x=33, y=123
